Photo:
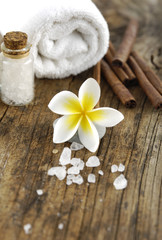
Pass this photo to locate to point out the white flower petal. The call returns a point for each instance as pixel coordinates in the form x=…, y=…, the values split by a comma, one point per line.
x=89, y=94
x=107, y=117
x=66, y=127
x=101, y=130
x=88, y=134
x=64, y=103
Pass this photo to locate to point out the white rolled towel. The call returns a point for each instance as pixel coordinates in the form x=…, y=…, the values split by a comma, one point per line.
x=67, y=36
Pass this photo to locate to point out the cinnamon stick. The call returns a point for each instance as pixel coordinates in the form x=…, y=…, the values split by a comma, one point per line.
x=126, y=45
x=97, y=75
x=152, y=77
x=118, y=88
x=153, y=95
x=132, y=80
x=119, y=71
x=112, y=48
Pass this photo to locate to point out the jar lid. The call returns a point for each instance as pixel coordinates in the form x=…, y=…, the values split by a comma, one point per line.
x=15, y=40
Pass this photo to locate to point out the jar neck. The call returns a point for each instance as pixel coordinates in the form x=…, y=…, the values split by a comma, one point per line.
x=16, y=54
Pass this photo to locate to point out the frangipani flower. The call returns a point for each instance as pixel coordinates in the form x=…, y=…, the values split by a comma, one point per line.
x=80, y=116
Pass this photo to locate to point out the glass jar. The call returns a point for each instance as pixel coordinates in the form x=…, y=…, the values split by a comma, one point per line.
x=17, y=74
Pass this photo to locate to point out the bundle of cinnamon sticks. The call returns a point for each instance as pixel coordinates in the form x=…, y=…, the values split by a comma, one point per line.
x=124, y=68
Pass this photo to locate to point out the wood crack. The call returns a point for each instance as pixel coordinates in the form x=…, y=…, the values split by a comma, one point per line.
x=159, y=210
x=4, y=113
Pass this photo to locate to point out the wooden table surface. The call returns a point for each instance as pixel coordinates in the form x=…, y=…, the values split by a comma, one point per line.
x=89, y=211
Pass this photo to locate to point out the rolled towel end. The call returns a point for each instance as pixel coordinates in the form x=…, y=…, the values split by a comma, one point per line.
x=67, y=36
x=68, y=42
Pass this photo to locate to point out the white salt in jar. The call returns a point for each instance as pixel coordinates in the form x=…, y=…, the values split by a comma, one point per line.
x=17, y=75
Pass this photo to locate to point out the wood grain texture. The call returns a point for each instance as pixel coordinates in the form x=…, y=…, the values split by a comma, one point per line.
x=95, y=211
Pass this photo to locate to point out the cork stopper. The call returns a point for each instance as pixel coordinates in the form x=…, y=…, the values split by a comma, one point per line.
x=15, y=40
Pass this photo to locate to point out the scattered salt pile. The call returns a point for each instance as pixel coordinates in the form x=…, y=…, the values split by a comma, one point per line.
x=27, y=228
x=114, y=168
x=39, y=192
x=121, y=168
x=65, y=156
x=59, y=172
x=60, y=226
x=73, y=170
x=76, y=146
x=91, y=178
x=73, y=173
x=101, y=172
x=120, y=182
x=93, y=161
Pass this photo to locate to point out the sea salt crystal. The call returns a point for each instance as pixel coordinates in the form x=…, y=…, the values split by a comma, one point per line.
x=91, y=178
x=71, y=178
x=93, y=161
x=69, y=181
x=121, y=167
x=101, y=172
x=65, y=156
x=51, y=171
x=76, y=146
x=58, y=214
x=120, y=182
x=75, y=161
x=39, y=192
x=73, y=170
x=114, y=168
x=78, y=179
x=60, y=226
x=81, y=165
x=109, y=229
x=27, y=228
x=59, y=172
